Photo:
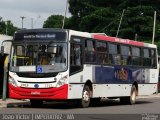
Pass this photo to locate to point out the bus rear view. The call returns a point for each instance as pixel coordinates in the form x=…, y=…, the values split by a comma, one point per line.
x=38, y=65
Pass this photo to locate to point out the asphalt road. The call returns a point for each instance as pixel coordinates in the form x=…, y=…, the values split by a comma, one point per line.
x=147, y=108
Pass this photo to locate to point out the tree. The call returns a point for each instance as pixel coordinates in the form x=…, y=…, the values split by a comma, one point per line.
x=2, y=26
x=104, y=16
x=97, y=21
x=6, y=27
x=54, y=21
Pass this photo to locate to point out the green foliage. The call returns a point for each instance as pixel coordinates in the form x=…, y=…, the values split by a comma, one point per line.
x=54, y=21
x=97, y=20
x=7, y=27
x=158, y=46
x=104, y=16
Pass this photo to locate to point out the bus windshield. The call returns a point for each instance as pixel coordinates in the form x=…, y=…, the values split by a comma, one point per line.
x=52, y=57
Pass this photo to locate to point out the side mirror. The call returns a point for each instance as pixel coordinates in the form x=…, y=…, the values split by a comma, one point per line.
x=2, y=50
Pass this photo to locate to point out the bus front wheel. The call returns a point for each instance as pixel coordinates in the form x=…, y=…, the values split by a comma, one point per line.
x=86, y=94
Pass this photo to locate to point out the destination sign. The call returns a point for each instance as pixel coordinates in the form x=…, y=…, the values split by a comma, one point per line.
x=57, y=36
x=53, y=36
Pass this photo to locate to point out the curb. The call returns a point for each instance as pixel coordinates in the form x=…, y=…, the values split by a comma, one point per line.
x=157, y=95
x=3, y=105
x=11, y=102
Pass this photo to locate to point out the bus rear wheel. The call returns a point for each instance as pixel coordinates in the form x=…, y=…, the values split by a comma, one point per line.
x=86, y=96
x=132, y=98
x=133, y=95
x=36, y=103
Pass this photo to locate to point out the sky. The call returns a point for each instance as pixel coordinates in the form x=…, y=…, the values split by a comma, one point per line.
x=36, y=10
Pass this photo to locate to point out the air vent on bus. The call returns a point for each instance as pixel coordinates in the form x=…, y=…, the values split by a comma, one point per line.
x=35, y=75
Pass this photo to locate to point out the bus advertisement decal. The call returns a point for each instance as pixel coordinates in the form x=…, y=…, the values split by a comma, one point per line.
x=122, y=74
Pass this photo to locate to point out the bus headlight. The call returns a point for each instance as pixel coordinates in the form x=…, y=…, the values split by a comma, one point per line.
x=62, y=81
x=12, y=81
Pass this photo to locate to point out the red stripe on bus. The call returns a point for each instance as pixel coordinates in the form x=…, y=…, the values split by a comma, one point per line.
x=60, y=93
x=117, y=40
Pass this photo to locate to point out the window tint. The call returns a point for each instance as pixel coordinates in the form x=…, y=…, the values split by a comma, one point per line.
x=152, y=53
x=102, y=55
x=101, y=46
x=136, y=58
x=114, y=55
x=153, y=57
x=76, y=55
x=90, y=55
x=126, y=55
x=146, y=59
x=146, y=53
x=20, y=50
x=124, y=50
x=112, y=48
x=135, y=51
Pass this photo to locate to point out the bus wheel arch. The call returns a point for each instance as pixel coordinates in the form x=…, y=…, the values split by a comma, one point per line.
x=133, y=93
x=136, y=85
x=89, y=84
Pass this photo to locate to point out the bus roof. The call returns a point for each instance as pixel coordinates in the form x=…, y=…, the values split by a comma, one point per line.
x=80, y=34
x=123, y=41
x=41, y=30
x=98, y=36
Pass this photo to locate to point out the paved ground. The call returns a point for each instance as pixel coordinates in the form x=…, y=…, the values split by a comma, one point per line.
x=8, y=102
x=146, y=108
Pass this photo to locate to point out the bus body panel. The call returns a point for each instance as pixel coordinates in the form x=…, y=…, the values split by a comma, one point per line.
x=111, y=90
x=120, y=90
x=153, y=75
x=147, y=89
x=83, y=76
x=60, y=93
x=75, y=91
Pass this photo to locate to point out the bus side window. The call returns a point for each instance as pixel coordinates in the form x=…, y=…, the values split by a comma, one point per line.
x=153, y=58
x=102, y=55
x=136, y=58
x=77, y=54
x=90, y=51
x=146, y=58
x=114, y=54
x=126, y=55
x=75, y=58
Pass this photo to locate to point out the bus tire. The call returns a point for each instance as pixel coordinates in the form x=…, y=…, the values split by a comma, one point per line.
x=130, y=99
x=86, y=96
x=133, y=95
x=36, y=103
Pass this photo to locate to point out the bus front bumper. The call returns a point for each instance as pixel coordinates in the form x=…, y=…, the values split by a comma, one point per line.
x=60, y=93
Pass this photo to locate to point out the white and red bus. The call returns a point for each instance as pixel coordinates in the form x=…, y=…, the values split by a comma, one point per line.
x=58, y=64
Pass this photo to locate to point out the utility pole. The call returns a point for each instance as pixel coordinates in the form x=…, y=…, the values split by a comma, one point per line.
x=22, y=20
x=65, y=14
x=31, y=23
x=154, y=25
x=120, y=23
x=136, y=36
x=6, y=22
